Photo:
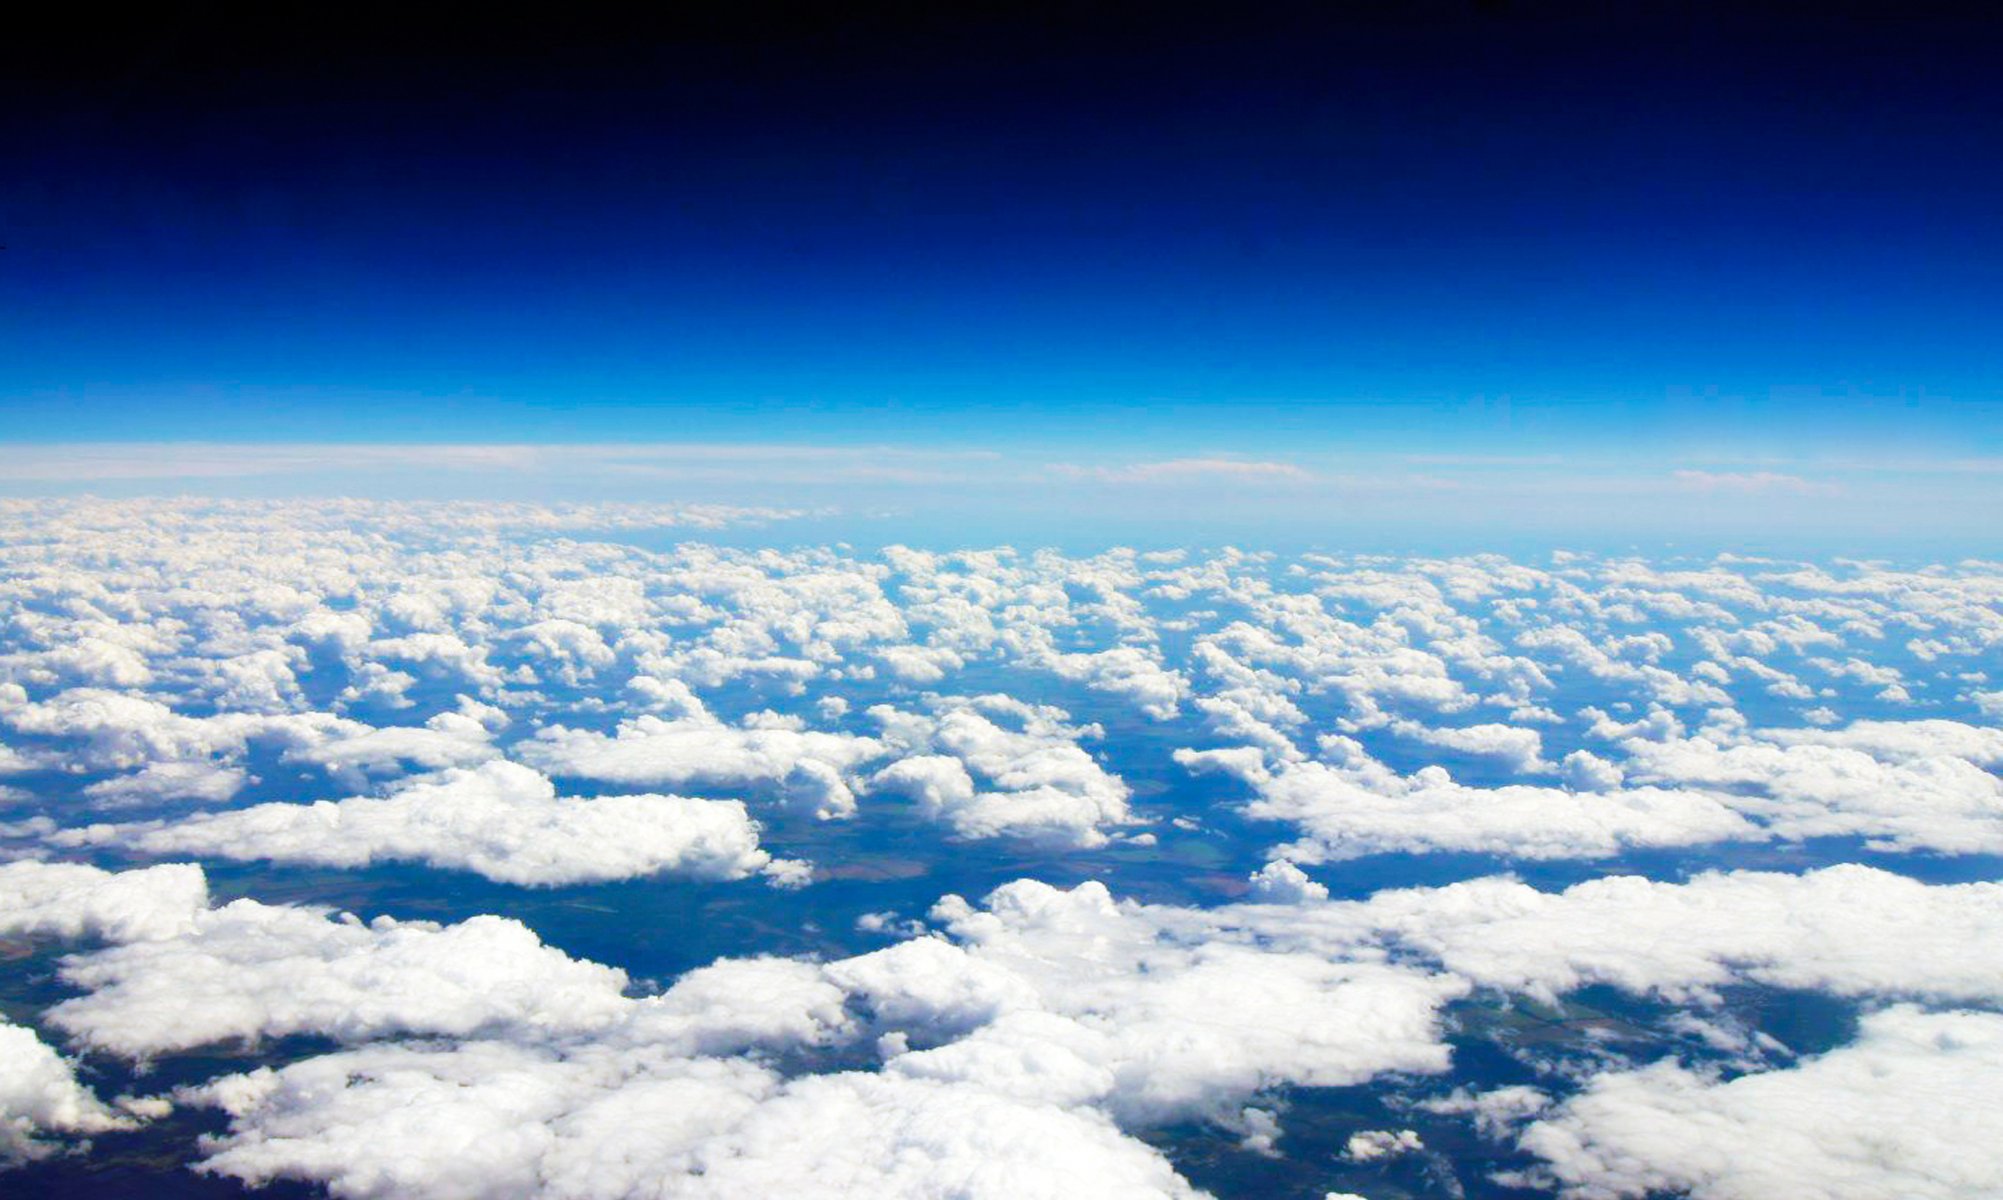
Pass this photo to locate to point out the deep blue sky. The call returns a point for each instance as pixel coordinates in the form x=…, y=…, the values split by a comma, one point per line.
x=1456, y=229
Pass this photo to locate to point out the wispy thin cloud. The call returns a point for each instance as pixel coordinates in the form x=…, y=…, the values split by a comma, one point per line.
x=1178, y=470
x=1923, y=466
x=1752, y=483
x=206, y=460
x=80, y=462
x=1484, y=460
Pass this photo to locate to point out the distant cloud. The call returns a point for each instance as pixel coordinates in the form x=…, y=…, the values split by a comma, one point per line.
x=1924, y=466
x=1177, y=470
x=85, y=461
x=1251, y=481
x=88, y=461
x=1486, y=460
x=1752, y=483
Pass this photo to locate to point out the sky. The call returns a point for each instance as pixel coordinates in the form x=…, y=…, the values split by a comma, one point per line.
x=1497, y=251
x=1288, y=600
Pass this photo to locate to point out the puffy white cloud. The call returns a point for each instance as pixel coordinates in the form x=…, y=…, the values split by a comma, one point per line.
x=178, y=756
x=1159, y=1013
x=12, y=761
x=1043, y=1017
x=921, y=664
x=1371, y=1145
x=1904, y=740
x=1850, y=930
x=115, y=730
x=71, y=900
x=1920, y=785
x=694, y=747
x=443, y=655
x=483, y=1118
x=1907, y=1110
x=97, y=661
x=351, y=752
x=1054, y=1015
x=1281, y=882
x=1903, y=785
x=1515, y=747
x=1497, y=1112
x=502, y=820
x=1847, y=929
x=557, y=1081
x=493, y=1119
x=40, y=1096
x=1356, y=807
x=181, y=974
x=203, y=782
x=185, y=646
x=1574, y=648
x=573, y=651
x=248, y=971
x=1002, y=767
x=254, y=681
x=1587, y=772
x=857, y=1134
x=1129, y=672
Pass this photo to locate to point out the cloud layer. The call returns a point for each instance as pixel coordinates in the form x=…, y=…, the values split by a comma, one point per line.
x=1121, y=822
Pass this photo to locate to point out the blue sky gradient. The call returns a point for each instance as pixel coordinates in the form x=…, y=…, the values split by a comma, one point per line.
x=1744, y=241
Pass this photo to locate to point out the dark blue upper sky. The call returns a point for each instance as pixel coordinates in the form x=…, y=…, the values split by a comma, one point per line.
x=1443, y=228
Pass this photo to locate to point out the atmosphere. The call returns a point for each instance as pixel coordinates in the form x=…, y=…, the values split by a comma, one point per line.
x=984, y=601
x=1758, y=241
